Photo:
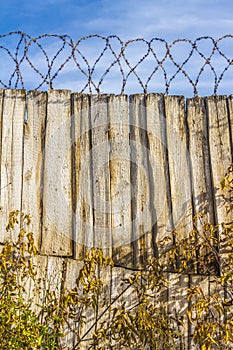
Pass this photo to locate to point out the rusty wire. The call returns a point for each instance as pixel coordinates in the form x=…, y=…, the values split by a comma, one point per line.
x=24, y=53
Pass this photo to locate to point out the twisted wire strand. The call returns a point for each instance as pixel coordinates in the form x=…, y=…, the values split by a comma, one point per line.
x=25, y=50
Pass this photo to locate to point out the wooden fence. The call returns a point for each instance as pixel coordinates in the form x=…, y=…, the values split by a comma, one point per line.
x=110, y=171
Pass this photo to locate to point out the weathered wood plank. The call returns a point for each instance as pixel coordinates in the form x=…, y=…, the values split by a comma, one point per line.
x=220, y=157
x=230, y=108
x=1, y=105
x=93, y=316
x=158, y=172
x=11, y=155
x=36, y=288
x=178, y=304
x=57, y=201
x=83, y=201
x=121, y=292
x=100, y=173
x=141, y=215
x=200, y=160
x=54, y=274
x=120, y=179
x=49, y=273
x=220, y=148
x=202, y=197
x=73, y=268
x=34, y=132
x=202, y=282
x=178, y=165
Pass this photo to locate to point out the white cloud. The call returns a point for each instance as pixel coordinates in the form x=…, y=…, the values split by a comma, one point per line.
x=160, y=18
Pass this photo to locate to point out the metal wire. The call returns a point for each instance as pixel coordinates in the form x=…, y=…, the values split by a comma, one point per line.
x=32, y=55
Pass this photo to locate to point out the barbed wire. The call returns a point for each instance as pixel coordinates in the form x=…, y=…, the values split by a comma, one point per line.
x=27, y=53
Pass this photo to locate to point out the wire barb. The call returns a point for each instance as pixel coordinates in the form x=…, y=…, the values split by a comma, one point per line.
x=32, y=55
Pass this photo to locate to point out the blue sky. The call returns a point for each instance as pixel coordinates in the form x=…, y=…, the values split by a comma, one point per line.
x=168, y=19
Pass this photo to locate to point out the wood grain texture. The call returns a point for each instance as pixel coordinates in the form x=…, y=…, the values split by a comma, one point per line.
x=57, y=201
x=11, y=156
x=158, y=172
x=178, y=304
x=220, y=148
x=230, y=108
x=178, y=161
x=120, y=188
x=36, y=289
x=83, y=195
x=141, y=214
x=49, y=273
x=202, y=282
x=73, y=268
x=34, y=132
x=200, y=160
x=121, y=292
x=198, y=146
x=100, y=173
x=1, y=116
x=220, y=158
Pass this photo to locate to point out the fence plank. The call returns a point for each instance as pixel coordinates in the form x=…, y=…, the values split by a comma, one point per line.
x=1, y=117
x=83, y=202
x=200, y=160
x=230, y=107
x=73, y=268
x=158, y=171
x=120, y=179
x=34, y=131
x=220, y=148
x=202, y=198
x=178, y=164
x=122, y=293
x=57, y=203
x=220, y=156
x=35, y=288
x=178, y=304
x=202, y=282
x=100, y=173
x=11, y=155
x=141, y=215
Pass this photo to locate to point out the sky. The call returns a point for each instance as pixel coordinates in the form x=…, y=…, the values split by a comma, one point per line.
x=166, y=19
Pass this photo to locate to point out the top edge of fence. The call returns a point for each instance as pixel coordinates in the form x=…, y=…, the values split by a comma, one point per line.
x=28, y=93
x=36, y=63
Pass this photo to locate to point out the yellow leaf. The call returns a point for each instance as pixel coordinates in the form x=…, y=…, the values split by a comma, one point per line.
x=190, y=316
